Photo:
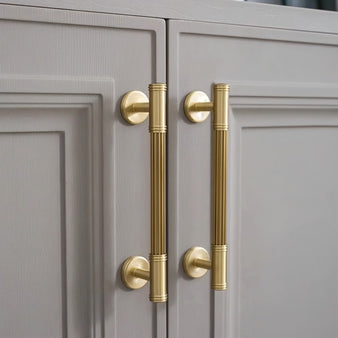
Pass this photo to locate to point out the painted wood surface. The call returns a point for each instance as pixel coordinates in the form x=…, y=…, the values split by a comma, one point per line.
x=282, y=218
x=74, y=177
x=221, y=11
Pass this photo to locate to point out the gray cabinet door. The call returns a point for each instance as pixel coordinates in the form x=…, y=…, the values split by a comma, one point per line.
x=283, y=184
x=74, y=178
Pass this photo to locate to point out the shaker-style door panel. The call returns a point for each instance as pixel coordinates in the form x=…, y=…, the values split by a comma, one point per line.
x=282, y=191
x=45, y=222
x=75, y=182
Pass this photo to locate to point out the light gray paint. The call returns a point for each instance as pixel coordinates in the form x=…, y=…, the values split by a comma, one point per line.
x=34, y=266
x=283, y=267
x=221, y=11
x=282, y=218
x=45, y=224
x=63, y=73
x=62, y=77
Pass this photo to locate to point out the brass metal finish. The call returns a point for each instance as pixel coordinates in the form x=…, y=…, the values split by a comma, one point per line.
x=221, y=107
x=220, y=139
x=157, y=98
x=135, y=107
x=158, y=200
x=196, y=103
x=158, y=276
x=196, y=262
x=197, y=106
x=157, y=129
x=219, y=267
x=156, y=109
x=135, y=272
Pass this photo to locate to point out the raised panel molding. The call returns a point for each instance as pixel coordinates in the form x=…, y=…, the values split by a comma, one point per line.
x=81, y=64
x=254, y=116
x=32, y=234
x=276, y=71
x=69, y=108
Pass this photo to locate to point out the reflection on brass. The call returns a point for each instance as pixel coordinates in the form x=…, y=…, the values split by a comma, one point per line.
x=157, y=98
x=193, y=109
x=135, y=272
x=158, y=287
x=197, y=107
x=135, y=107
x=219, y=267
x=196, y=262
x=135, y=113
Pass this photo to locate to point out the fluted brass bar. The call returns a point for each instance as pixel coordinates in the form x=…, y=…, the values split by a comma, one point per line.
x=220, y=138
x=157, y=107
x=221, y=107
x=219, y=267
x=157, y=165
x=136, y=270
x=157, y=129
x=197, y=107
x=158, y=280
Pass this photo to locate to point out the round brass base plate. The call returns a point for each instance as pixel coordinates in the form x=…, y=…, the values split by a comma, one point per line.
x=191, y=99
x=127, y=110
x=129, y=266
x=189, y=257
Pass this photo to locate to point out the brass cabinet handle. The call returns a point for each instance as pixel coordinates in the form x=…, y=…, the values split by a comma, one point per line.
x=136, y=270
x=197, y=107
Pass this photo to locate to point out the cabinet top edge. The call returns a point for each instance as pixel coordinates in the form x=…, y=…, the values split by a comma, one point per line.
x=215, y=11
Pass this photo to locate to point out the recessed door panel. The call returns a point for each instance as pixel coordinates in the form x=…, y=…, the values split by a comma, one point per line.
x=59, y=71
x=32, y=231
x=282, y=191
x=283, y=235
x=45, y=225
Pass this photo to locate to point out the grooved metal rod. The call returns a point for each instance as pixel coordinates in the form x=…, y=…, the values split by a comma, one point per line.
x=198, y=102
x=157, y=150
x=135, y=107
x=220, y=138
x=157, y=129
x=219, y=186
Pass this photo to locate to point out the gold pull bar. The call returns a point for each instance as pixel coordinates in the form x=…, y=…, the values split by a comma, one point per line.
x=197, y=107
x=135, y=108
